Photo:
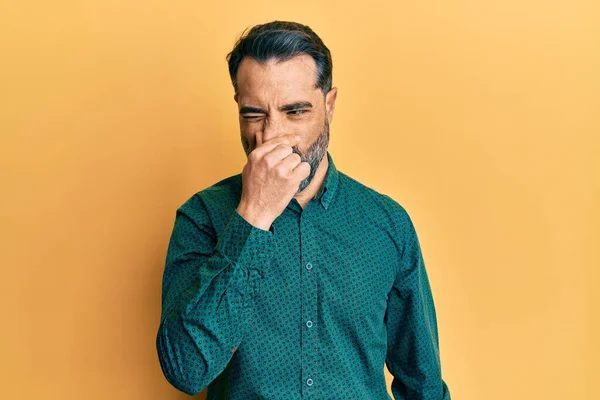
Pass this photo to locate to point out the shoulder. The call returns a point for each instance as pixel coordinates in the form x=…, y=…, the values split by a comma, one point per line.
x=219, y=197
x=375, y=200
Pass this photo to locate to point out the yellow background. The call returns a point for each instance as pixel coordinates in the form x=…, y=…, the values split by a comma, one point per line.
x=480, y=117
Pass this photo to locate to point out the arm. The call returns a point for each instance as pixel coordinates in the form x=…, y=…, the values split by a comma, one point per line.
x=413, y=355
x=207, y=295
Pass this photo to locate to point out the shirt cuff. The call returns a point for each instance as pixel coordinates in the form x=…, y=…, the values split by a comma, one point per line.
x=243, y=243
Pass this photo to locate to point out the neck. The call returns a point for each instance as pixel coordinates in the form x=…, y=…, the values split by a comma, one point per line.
x=314, y=186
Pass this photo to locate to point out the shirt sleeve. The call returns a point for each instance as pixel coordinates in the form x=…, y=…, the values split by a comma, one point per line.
x=208, y=288
x=413, y=356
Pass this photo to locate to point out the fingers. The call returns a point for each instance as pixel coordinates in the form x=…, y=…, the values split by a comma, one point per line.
x=278, y=153
x=259, y=138
x=280, y=149
x=265, y=147
x=302, y=171
x=290, y=162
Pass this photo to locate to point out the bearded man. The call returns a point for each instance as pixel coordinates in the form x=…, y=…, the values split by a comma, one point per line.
x=291, y=279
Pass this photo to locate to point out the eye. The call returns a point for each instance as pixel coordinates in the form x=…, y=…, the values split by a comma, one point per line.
x=298, y=112
x=252, y=117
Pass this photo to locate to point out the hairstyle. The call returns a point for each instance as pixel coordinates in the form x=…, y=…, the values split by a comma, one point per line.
x=281, y=40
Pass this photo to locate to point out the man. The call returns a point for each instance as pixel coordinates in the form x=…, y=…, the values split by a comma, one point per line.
x=292, y=280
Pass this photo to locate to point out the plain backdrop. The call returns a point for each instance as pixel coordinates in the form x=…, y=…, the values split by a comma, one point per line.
x=480, y=117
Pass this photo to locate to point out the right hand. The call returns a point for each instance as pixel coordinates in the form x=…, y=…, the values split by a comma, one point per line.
x=270, y=179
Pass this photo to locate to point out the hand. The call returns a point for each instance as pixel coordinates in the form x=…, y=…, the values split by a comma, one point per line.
x=270, y=179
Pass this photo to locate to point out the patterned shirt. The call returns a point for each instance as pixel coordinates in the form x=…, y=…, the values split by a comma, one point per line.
x=310, y=309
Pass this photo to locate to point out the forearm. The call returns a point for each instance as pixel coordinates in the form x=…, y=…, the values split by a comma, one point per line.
x=208, y=296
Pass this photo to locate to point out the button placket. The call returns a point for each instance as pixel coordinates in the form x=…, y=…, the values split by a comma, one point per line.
x=309, y=309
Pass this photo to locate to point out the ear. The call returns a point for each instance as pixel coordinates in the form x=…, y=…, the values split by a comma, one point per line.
x=330, y=103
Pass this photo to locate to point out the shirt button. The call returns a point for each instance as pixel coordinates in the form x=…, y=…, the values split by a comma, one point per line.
x=309, y=323
x=309, y=382
x=308, y=266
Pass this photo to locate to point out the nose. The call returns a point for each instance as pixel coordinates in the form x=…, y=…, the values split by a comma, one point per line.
x=272, y=128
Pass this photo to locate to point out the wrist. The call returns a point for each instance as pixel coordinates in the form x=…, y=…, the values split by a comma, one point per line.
x=253, y=217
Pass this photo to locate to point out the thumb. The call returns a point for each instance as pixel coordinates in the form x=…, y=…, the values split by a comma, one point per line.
x=259, y=138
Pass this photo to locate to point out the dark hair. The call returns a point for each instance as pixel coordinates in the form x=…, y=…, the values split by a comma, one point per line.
x=281, y=40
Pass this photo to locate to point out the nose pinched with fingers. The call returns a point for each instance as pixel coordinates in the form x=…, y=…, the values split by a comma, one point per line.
x=289, y=139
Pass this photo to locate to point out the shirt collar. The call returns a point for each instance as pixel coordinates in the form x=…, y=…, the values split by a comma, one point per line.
x=330, y=183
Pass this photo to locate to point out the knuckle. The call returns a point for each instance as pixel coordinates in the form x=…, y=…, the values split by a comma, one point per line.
x=270, y=161
x=281, y=172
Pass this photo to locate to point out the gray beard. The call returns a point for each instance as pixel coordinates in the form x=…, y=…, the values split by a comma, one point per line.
x=313, y=156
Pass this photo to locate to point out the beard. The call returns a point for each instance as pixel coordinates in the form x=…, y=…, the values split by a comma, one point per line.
x=313, y=155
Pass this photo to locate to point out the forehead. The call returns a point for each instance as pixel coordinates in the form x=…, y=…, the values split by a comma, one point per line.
x=277, y=79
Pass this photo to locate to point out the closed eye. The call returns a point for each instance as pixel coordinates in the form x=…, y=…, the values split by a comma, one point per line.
x=292, y=112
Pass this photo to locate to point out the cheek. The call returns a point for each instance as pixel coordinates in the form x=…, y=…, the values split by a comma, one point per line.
x=309, y=131
x=248, y=133
x=316, y=124
x=246, y=144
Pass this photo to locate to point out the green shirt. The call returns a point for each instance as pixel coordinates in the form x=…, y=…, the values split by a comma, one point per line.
x=311, y=308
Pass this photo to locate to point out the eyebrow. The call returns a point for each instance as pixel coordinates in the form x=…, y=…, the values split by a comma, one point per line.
x=288, y=107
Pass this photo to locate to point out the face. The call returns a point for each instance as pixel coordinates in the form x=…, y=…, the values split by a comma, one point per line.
x=281, y=98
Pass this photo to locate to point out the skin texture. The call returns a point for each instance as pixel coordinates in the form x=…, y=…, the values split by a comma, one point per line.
x=263, y=91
